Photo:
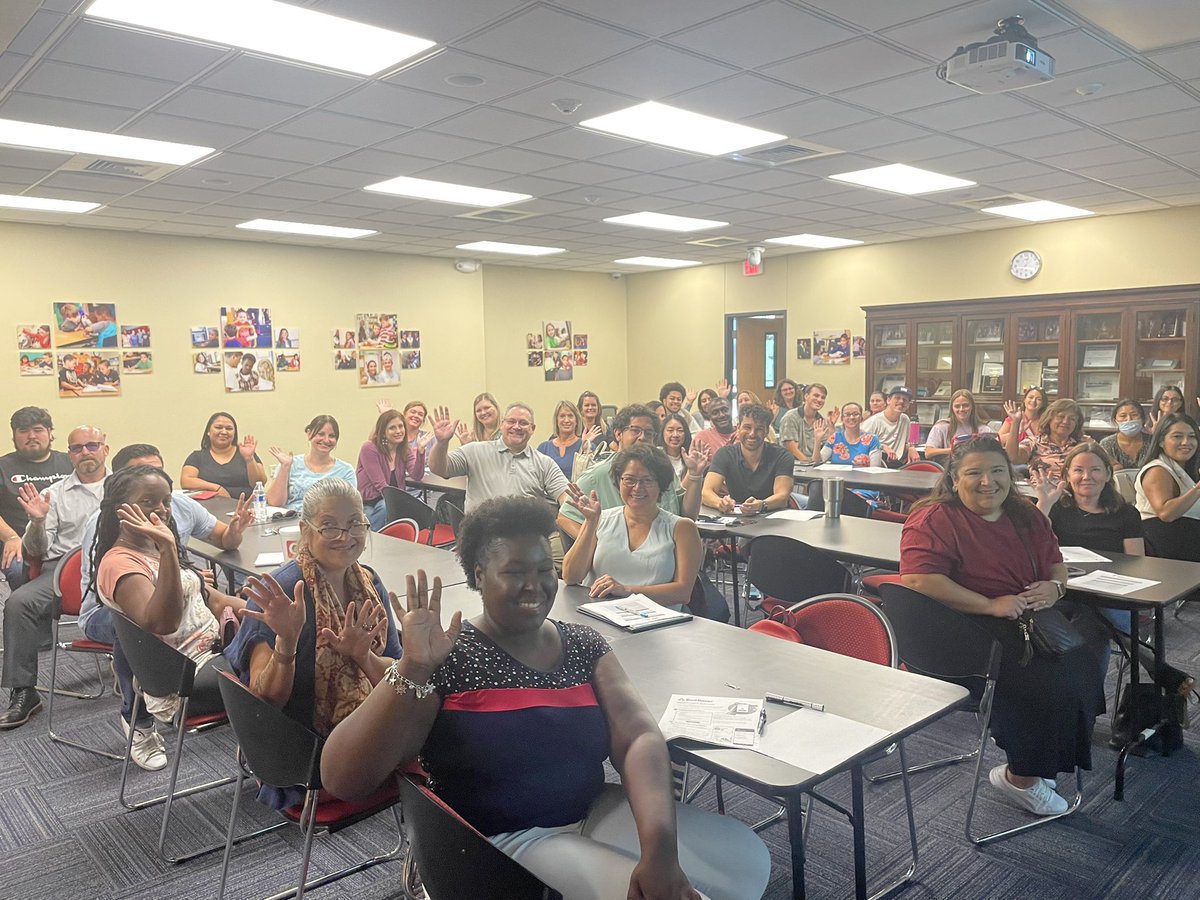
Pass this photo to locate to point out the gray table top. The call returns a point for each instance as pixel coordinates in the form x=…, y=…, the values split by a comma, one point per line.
x=894, y=480
x=455, y=485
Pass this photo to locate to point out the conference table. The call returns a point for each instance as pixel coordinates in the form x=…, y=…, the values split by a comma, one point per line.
x=913, y=481
x=456, y=486
x=710, y=658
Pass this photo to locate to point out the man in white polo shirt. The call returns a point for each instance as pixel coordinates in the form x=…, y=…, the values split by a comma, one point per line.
x=891, y=426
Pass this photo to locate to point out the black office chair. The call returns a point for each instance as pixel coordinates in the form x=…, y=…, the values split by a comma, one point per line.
x=788, y=570
x=402, y=505
x=449, y=514
x=939, y=642
x=282, y=752
x=456, y=861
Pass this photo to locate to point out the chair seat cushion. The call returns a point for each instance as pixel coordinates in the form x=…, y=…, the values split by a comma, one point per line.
x=873, y=582
x=332, y=810
x=442, y=534
x=200, y=721
x=85, y=646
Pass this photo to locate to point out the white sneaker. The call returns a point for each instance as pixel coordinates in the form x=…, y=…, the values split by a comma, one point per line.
x=149, y=751
x=1051, y=783
x=1039, y=799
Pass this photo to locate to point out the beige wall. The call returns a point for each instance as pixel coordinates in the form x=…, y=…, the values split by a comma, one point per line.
x=826, y=290
x=468, y=341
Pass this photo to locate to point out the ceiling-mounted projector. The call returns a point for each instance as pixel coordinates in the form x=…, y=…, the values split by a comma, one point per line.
x=1007, y=61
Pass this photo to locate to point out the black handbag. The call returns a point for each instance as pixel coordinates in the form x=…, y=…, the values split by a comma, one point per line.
x=1048, y=632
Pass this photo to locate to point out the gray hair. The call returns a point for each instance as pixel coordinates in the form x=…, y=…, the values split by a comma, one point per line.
x=524, y=406
x=325, y=490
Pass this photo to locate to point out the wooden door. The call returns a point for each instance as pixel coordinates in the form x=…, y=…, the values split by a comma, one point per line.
x=755, y=352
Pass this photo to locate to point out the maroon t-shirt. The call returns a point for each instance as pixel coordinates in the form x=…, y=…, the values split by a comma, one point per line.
x=991, y=558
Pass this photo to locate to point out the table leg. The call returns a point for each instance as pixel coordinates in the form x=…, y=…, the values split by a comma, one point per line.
x=1134, y=679
x=795, y=821
x=734, y=550
x=860, y=841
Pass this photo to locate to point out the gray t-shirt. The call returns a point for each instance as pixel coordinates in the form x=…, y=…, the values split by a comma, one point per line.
x=891, y=435
x=493, y=470
x=794, y=427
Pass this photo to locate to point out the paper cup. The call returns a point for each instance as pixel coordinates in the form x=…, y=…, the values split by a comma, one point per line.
x=289, y=536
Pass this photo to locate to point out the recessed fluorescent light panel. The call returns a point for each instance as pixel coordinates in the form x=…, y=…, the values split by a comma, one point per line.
x=902, y=179
x=669, y=126
x=445, y=192
x=333, y=231
x=663, y=222
x=815, y=241
x=43, y=204
x=266, y=26
x=514, y=249
x=33, y=136
x=657, y=262
x=1038, y=211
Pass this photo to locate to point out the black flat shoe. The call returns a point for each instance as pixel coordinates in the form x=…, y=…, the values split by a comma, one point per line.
x=1174, y=681
x=23, y=703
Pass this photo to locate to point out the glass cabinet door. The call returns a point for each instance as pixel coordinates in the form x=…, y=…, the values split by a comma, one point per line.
x=935, y=360
x=1098, y=366
x=1037, y=356
x=983, y=365
x=1159, y=351
x=889, y=355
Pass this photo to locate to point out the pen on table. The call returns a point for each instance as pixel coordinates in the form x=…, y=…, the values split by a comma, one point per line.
x=792, y=701
x=762, y=718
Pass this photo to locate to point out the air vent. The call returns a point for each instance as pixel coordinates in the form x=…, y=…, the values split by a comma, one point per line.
x=720, y=241
x=116, y=168
x=496, y=215
x=978, y=203
x=784, y=152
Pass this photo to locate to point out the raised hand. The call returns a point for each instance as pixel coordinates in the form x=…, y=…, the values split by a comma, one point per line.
x=285, y=457
x=284, y=615
x=443, y=426
x=691, y=397
x=361, y=632
x=243, y=516
x=36, y=505
x=426, y=643
x=696, y=459
x=383, y=406
x=587, y=504
x=1155, y=415
x=724, y=388
x=822, y=429
x=832, y=416
x=463, y=433
x=134, y=520
x=607, y=586
x=247, y=447
x=1013, y=410
x=1048, y=489
x=592, y=433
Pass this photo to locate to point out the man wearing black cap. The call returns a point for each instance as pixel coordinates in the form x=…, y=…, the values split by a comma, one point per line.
x=891, y=425
x=31, y=462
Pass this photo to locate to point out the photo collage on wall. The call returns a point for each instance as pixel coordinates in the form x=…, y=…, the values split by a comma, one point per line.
x=377, y=349
x=834, y=347
x=247, y=342
x=81, y=345
x=556, y=350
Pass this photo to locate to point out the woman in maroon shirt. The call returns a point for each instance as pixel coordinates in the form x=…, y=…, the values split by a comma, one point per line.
x=983, y=550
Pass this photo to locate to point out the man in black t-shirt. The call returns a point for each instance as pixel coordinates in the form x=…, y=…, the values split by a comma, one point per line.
x=32, y=462
x=756, y=475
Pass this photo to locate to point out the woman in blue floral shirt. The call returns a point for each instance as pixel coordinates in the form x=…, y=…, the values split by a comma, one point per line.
x=850, y=446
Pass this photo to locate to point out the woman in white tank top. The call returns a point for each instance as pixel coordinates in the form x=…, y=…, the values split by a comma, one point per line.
x=1166, y=489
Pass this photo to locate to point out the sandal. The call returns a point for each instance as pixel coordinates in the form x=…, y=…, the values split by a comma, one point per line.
x=1174, y=681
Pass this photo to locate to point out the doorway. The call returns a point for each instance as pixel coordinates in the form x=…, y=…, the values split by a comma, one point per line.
x=755, y=356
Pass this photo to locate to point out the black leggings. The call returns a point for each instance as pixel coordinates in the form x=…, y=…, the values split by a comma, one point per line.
x=206, y=696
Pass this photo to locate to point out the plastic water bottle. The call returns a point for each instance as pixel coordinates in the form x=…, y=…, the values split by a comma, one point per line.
x=259, y=503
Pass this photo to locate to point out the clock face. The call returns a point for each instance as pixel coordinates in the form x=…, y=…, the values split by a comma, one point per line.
x=1025, y=265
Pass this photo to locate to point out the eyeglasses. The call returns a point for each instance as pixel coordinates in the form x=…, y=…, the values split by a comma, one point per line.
x=638, y=431
x=518, y=423
x=333, y=532
x=645, y=483
x=90, y=447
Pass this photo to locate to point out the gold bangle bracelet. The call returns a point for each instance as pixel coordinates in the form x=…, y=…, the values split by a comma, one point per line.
x=283, y=658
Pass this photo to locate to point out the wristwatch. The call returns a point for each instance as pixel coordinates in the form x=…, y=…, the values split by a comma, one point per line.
x=1062, y=588
x=402, y=685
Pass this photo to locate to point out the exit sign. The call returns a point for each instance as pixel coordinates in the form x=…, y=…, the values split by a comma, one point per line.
x=749, y=268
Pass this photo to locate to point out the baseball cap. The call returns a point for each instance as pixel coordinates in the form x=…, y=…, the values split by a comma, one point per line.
x=900, y=389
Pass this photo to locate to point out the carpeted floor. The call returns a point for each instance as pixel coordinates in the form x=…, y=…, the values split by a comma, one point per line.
x=64, y=835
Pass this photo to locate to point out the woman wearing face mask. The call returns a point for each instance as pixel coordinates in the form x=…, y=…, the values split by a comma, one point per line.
x=1128, y=448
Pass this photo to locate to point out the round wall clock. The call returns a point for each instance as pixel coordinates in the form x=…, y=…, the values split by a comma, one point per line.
x=1025, y=265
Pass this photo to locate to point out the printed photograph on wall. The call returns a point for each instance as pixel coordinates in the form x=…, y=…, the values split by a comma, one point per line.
x=345, y=339
x=287, y=362
x=859, y=345
x=411, y=359
x=205, y=337
x=83, y=373
x=139, y=362
x=33, y=337
x=581, y=341
x=558, y=365
x=287, y=337
x=369, y=367
x=135, y=337
x=534, y=359
x=206, y=363
x=831, y=348
x=581, y=357
x=375, y=331
x=345, y=360
x=249, y=370
x=245, y=328
x=389, y=366
x=36, y=362
x=85, y=324
x=533, y=341
x=557, y=335
x=803, y=348
x=410, y=340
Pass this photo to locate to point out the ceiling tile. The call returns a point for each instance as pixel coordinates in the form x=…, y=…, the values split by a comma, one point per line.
x=551, y=41
x=187, y=131
x=323, y=125
x=39, y=27
x=10, y=65
x=501, y=80
x=66, y=113
x=652, y=19
x=653, y=72
x=249, y=165
x=380, y=163
x=1182, y=122
x=847, y=65
x=902, y=93
x=648, y=158
x=873, y=15
x=1182, y=62
x=1015, y=130
x=972, y=109
x=758, y=35
x=278, y=80
x=865, y=136
x=1106, y=110
x=229, y=109
x=431, y=146
x=441, y=22
x=497, y=126
x=1077, y=89
x=397, y=105
x=577, y=143
x=1075, y=50
x=293, y=149
x=514, y=160
x=538, y=101
x=739, y=97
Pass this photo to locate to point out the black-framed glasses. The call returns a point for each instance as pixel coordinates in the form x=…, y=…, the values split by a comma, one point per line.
x=334, y=532
x=645, y=483
x=90, y=447
x=283, y=514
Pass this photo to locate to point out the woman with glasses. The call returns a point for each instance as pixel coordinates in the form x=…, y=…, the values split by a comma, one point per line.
x=637, y=547
x=318, y=632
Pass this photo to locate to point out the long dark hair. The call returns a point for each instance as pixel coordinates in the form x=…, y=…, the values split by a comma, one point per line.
x=379, y=433
x=1016, y=507
x=1156, y=441
x=118, y=488
x=1110, y=500
x=687, y=431
x=205, y=442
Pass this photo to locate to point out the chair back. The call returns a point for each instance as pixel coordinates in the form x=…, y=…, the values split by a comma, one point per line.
x=455, y=860
x=279, y=750
x=1124, y=481
x=854, y=505
x=922, y=465
x=848, y=625
x=448, y=513
x=159, y=669
x=404, y=529
x=775, y=629
x=791, y=571
x=937, y=641
x=402, y=505
x=68, y=594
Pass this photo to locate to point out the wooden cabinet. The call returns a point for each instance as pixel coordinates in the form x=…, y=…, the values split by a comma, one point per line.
x=1096, y=348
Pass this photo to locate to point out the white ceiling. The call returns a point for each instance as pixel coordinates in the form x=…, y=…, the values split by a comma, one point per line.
x=300, y=144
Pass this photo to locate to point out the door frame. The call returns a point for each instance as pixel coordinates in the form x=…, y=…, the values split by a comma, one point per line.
x=781, y=349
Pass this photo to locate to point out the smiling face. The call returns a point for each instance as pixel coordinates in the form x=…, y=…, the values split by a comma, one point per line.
x=1087, y=476
x=719, y=414
x=1179, y=443
x=1063, y=425
x=815, y=398
x=590, y=408
x=638, y=486
x=518, y=582
x=221, y=433
x=388, y=362
x=415, y=418
x=962, y=408
x=639, y=429
x=788, y=392
x=876, y=402
x=1171, y=401
x=153, y=494
x=517, y=428
x=751, y=434
x=372, y=368
x=982, y=482
x=323, y=440
x=395, y=432
x=851, y=417
x=897, y=403
x=673, y=401
x=337, y=534
x=673, y=437
x=486, y=414
x=565, y=422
